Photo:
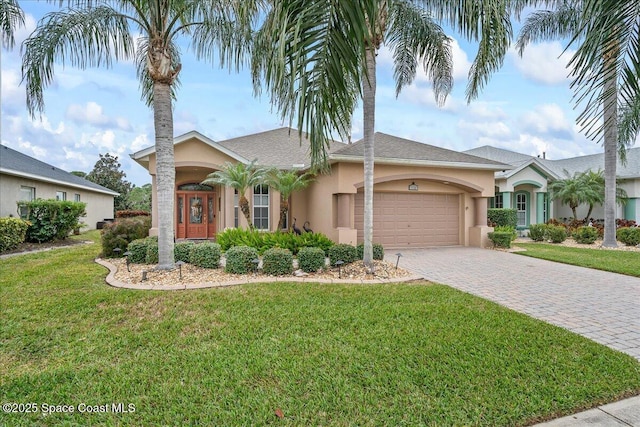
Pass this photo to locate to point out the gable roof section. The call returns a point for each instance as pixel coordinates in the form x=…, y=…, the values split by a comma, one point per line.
x=281, y=148
x=394, y=150
x=15, y=163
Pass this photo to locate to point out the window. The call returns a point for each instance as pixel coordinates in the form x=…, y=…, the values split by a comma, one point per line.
x=26, y=194
x=76, y=197
x=521, y=208
x=235, y=208
x=61, y=195
x=261, y=207
x=498, y=201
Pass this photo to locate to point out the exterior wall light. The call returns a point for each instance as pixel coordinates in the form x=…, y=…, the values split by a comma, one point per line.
x=413, y=186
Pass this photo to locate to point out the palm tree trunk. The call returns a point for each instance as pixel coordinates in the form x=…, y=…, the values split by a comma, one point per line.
x=284, y=208
x=165, y=170
x=369, y=114
x=610, y=109
x=244, y=207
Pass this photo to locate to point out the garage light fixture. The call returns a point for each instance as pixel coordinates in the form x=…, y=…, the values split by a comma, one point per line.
x=413, y=186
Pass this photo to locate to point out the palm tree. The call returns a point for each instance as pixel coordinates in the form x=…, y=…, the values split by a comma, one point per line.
x=11, y=17
x=569, y=20
x=595, y=183
x=570, y=191
x=240, y=177
x=286, y=182
x=318, y=59
x=91, y=34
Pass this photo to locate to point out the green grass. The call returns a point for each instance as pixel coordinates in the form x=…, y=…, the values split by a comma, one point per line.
x=410, y=354
x=623, y=262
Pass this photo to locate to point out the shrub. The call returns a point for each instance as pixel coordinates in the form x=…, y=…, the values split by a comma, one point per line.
x=205, y=255
x=152, y=252
x=537, y=232
x=501, y=239
x=556, y=233
x=586, y=235
x=182, y=251
x=342, y=252
x=630, y=236
x=52, y=219
x=138, y=249
x=502, y=216
x=315, y=240
x=240, y=259
x=131, y=213
x=277, y=261
x=378, y=251
x=506, y=229
x=121, y=232
x=262, y=241
x=311, y=259
x=12, y=232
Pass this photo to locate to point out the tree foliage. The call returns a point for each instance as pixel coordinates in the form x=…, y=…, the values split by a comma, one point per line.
x=107, y=172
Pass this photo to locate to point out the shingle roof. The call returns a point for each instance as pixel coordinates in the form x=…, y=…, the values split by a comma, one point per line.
x=281, y=148
x=631, y=169
x=392, y=149
x=13, y=162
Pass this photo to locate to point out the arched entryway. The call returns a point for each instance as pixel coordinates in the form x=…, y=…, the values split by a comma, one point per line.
x=195, y=211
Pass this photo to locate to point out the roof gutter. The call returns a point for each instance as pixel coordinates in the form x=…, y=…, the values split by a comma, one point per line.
x=414, y=162
x=55, y=181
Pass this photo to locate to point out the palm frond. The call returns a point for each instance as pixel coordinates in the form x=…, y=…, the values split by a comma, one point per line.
x=541, y=25
x=11, y=17
x=84, y=37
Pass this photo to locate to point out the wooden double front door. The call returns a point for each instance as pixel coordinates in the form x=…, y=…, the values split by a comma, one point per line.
x=195, y=215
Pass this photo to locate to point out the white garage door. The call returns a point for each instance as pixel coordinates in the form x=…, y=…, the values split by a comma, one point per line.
x=411, y=219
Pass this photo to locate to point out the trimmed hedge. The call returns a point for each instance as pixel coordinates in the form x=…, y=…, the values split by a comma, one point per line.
x=586, y=235
x=131, y=213
x=205, y=255
x=507, y=229
x=342, y=252
x=556, y=233
x=502, y=216
x=240, y=259
x=501, y=239
x=121, y=232
x=537, y=232
x=310, y=260
x=630, y=236
x=378, y=251
x=52, y=219
x=277, y=262
x=12, y=232
x=152, y=252
x=182, y=251
x=138, y=249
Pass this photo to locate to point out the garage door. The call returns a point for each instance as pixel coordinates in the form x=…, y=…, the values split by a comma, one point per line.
x=411, y=219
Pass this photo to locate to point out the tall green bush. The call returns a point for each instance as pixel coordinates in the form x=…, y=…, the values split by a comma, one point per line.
x=121, y=232
x=51, y=219
x=502, y=217
x=12, y=232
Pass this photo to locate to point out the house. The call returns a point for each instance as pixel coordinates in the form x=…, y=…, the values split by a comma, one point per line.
x=524, y=185
x=25, y=178
x=423, y=195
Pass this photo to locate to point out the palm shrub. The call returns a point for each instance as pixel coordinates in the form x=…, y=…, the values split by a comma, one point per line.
x=501, y=239
x=240, y=259
x=630, y=236
x=537, y=232
x=205, y=255
x=586, y=235
x=311, y=259
x=556, y=233
x=378, y=251
x=342, y=252
x=277, y=262
x=12, y=232
x=182, y=250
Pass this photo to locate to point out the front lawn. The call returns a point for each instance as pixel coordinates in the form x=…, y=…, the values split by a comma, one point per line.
x=623, y=262
x=406, y=354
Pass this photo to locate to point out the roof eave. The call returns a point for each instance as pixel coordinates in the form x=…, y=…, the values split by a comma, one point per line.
x=55, y=181
x=431, y=163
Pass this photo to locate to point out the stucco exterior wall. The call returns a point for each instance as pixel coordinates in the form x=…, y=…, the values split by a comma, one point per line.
x=99, y=206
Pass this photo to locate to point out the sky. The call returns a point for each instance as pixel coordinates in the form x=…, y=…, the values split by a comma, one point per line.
x=526, y=107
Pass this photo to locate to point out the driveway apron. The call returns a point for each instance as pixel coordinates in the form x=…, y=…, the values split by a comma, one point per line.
x=602, y=306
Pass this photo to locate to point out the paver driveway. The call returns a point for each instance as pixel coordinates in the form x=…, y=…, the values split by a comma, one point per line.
x=604, y=307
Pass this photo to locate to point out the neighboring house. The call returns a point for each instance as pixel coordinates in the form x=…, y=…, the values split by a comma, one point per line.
x=25, y=178
x=423, y=195
x=524, y=186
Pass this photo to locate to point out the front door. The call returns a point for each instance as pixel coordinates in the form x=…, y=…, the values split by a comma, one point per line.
x=195, y=217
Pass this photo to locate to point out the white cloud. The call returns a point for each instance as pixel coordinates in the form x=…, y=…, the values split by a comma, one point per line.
x=543, y=62
x=139, y=142
x=491, y=129
x=12, y=95
x=34, y=150
x=547, y=119
x=90, y=113
x=43, y=123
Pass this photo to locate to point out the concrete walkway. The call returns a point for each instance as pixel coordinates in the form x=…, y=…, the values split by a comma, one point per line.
x=604, y=307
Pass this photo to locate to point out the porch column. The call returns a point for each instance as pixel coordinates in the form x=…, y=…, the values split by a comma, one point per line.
x=480, y=206
x=506, y=199
x=344, y=211
x=228, y=207
x=540, y=208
